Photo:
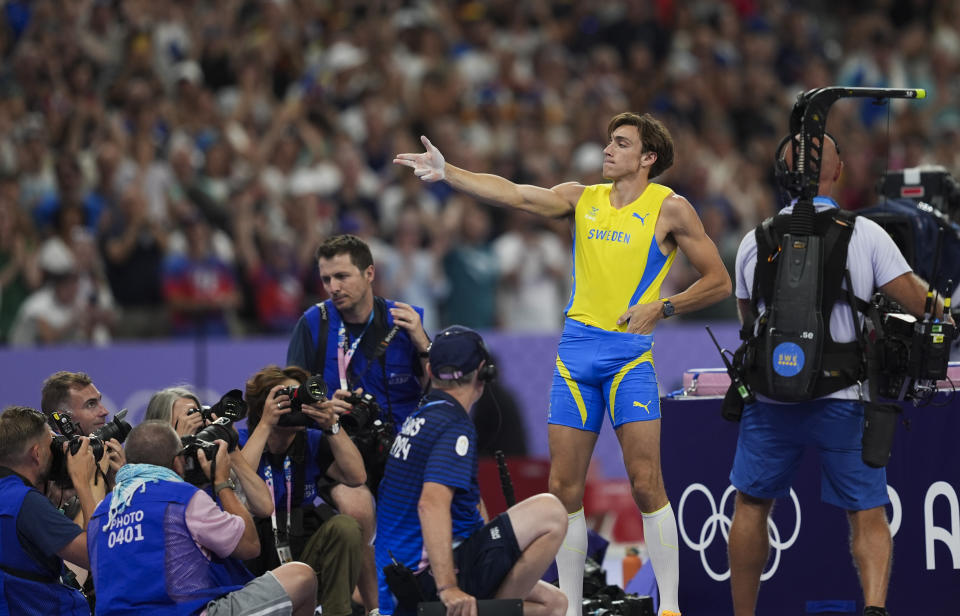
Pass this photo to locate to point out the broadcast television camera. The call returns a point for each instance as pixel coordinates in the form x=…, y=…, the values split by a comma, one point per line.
x=69, y=432
x=911, y=354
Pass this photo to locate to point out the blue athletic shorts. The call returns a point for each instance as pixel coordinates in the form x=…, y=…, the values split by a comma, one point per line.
x=599, y=370
x=774, y=436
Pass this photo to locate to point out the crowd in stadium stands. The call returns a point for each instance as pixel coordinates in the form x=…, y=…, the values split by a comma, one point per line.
x=168, y=168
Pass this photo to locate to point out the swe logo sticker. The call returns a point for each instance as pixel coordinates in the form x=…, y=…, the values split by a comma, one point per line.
x=787, y=359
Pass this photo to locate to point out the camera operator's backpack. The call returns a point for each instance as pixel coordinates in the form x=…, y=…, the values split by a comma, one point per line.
x=789, y=354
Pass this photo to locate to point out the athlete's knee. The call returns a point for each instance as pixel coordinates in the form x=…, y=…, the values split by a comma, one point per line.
x=646, y=482
x=569, y=494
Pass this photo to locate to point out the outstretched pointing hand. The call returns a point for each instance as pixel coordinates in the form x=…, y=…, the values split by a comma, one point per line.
x=428, y=166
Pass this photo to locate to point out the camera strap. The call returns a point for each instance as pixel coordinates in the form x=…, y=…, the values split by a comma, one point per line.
x=346, y=350
x=283, y=547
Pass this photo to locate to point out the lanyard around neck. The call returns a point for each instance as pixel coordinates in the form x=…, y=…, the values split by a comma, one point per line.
x=288, y=479
x=346, y=350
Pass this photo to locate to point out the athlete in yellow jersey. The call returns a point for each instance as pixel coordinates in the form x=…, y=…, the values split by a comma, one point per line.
x=626, y=236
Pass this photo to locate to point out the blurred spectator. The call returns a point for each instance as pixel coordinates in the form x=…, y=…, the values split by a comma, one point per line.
x=275, y=263
x=533, y=264
x=471, y=267
x=199, y=286
x=19, y=273
x=70, y=201
x=133, y=246
x=58, y=312
x=415, y=273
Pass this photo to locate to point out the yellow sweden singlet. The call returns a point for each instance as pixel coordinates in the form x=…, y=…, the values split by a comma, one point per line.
x=617, y=262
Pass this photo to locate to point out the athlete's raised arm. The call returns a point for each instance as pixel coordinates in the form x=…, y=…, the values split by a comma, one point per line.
x=430, y=166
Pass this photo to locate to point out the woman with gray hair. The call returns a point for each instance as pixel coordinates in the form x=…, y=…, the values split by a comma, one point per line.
x=181, y=408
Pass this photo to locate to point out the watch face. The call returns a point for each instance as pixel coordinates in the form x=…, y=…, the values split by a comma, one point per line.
x=667, y=309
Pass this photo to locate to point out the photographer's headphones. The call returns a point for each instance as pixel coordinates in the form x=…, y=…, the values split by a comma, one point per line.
x=488, y=372
x=789, y=181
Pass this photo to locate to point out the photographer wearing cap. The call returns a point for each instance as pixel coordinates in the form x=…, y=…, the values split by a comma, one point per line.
x=429, y=500
x=182, y=409
x=160, y=544
x=291, y=459
x=35, y=538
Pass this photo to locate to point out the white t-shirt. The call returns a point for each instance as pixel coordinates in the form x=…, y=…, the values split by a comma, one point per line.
x=873, y=260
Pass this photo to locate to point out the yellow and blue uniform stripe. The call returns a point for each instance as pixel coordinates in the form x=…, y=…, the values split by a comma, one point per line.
x=617, y=263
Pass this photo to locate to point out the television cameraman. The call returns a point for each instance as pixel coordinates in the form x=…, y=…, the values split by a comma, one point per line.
x=773, y=435
x=348, y=352
x=428, y=503
x=181, y=408
x=36, y=538
x=158, y=543
x=291, y=459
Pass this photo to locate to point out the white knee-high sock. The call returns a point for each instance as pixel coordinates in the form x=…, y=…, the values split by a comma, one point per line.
x=570, y=561
x=660, y=536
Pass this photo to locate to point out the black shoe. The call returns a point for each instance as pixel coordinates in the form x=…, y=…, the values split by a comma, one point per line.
x=872, y=610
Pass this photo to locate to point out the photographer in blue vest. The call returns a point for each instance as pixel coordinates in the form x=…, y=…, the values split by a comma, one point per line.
x=291, y=459
x=428, y=514
x=159, y=545
x=35, y=537
x=357, y=324
x=357, y=340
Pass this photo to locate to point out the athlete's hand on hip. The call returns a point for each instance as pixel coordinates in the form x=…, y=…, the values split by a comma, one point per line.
x=428, y=166
x=641, y=318
x=406, y=317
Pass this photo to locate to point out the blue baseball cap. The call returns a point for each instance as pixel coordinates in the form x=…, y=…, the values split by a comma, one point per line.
x=456, y=351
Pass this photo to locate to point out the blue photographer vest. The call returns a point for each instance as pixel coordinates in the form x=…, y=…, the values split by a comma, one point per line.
x=26, y=586
x=397, y=369
x=147, y=562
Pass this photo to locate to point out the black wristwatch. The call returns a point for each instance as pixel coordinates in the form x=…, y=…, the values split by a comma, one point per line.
x=668, y=309
x=223, y=485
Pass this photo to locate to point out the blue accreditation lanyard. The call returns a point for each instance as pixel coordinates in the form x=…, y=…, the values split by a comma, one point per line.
x=345, y=350
x=288, y=479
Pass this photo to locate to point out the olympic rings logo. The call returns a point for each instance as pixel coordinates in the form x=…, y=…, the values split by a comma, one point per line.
x=718, y=518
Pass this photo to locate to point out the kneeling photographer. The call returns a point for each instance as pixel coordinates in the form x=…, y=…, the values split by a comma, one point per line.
x=35, y=538
x=428, y=515
x=291, y=458
x=181, y=408
x=161, y=545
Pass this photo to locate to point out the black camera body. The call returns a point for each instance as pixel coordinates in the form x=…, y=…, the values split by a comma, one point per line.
x=313, y=391
x=204, y=440
x=912, y=354
x=364, y=412
x=372, y=431
x=69, y=432
x=231, y=406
